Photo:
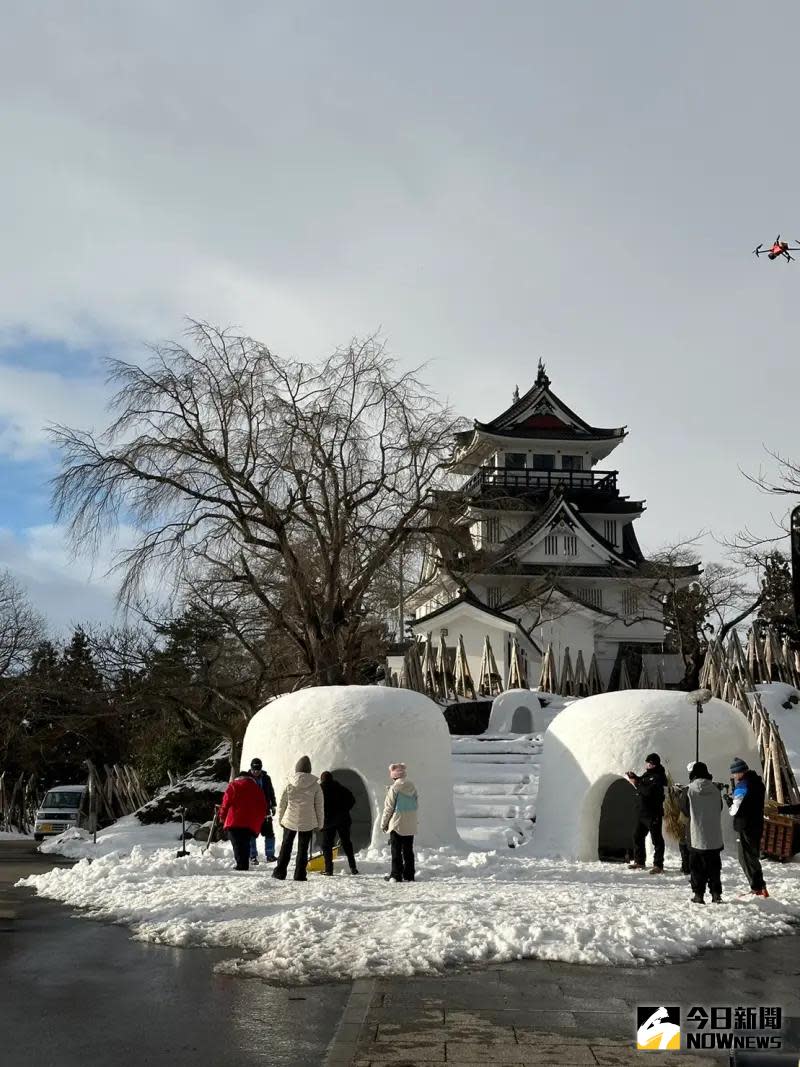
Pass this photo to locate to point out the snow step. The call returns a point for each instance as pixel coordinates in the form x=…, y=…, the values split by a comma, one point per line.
x=494, y=757
x=494, y=811
x=490, y=789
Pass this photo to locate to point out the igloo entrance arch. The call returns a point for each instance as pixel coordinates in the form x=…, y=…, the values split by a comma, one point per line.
x=361, y=813
x=522, y=721
x=619, y=815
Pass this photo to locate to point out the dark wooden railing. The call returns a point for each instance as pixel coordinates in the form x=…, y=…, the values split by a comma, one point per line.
x=529, y=480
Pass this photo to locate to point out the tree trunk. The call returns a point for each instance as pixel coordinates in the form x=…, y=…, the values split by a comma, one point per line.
x=236, y=754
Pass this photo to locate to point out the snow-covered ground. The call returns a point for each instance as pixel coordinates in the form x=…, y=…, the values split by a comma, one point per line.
x=467, y=908
x=120, y=839
x=13, y=835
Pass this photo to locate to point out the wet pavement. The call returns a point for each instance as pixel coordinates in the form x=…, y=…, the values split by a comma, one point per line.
x=548, y=1013
x=76, y=993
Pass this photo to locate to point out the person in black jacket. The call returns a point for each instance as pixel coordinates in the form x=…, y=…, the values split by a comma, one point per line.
x=650, y=786
x=338, y=804
x=747, y=808
x=261, y=777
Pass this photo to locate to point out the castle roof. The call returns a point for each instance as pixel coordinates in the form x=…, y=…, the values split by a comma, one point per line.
x=539, y=415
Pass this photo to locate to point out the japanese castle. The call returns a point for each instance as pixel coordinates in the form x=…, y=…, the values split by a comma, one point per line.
x=538, y=544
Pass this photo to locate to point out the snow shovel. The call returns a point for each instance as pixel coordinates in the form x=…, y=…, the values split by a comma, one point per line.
x=317, y=863
x=212, y=831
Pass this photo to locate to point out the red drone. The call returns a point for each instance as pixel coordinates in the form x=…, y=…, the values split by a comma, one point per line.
x=779, y=248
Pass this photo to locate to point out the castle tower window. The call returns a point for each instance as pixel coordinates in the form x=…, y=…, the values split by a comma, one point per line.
x=610, y=531
x=515, y=461
x=570, y=545
x=543, y=462
x=491, y=530
x=590, y=594
x=630, y=601
x=493, y=596
x=572, y=463
x=551, y=545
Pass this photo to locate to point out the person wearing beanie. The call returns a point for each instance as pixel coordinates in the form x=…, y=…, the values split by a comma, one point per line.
x=650, y=786
x=301, y=810
x=747, y=809
x=400, y=822
x=242, y=813
x=702, y=802
x=264, y=782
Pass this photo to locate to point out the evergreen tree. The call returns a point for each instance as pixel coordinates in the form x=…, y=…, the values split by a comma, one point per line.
x=777, y=602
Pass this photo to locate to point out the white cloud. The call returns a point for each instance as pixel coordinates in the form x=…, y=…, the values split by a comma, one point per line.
x=66, y=588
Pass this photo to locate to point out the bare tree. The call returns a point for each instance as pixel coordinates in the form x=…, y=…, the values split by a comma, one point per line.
x=21, y=626
x=294, y=483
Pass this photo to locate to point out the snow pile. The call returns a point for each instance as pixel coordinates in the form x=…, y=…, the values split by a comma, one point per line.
x=468, y=908
x=775, y=697
x=360, y=730
x=118, y=840
x=594, y=741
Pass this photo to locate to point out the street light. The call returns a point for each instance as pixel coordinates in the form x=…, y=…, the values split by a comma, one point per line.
x=698, y=697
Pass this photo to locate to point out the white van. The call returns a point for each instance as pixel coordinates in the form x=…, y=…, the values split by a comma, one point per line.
x=63, y=806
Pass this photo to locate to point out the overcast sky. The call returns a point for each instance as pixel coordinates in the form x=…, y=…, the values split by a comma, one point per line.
x=487, y=183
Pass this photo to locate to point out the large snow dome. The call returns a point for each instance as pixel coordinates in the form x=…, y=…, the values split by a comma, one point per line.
x=356, y=731
x=593, y=742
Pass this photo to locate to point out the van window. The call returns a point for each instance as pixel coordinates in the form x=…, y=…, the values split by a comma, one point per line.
x=57, y=799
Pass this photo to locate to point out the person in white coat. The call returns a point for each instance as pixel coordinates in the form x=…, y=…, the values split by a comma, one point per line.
x=400, y=822
x=301, y=811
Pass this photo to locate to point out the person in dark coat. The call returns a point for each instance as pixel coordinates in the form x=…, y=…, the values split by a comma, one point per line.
x=702, y=802
x=339, y=802
x=747, y=808
x=242, y=813
x=261, y=778
x=650, y=786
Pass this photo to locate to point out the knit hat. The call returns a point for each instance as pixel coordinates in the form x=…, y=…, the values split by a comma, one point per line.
x=653, y=758
x=256, y=764
x=690, y=766
x=303, y=765
x=397, y=770
x=699, y=770
x=739, y=766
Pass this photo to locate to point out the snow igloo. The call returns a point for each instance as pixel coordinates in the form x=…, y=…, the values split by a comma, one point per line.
x=523, y=711
x=593, y=742
x=355, y=732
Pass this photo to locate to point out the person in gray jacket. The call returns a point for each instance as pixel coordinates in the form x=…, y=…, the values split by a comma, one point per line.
x=701, y=800
x=301, y=810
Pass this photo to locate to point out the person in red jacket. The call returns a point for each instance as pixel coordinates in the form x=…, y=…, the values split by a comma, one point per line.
x=243, y=810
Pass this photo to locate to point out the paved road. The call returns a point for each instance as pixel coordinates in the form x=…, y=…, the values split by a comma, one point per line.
x=537, y=1012
x=82, y=994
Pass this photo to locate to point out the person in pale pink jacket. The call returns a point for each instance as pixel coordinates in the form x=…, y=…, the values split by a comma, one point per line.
x=400, y=822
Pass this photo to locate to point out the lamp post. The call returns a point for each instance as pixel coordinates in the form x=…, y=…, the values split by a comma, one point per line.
x=698, y=697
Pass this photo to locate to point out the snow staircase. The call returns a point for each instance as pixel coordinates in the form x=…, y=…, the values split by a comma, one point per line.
x=495, y=781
